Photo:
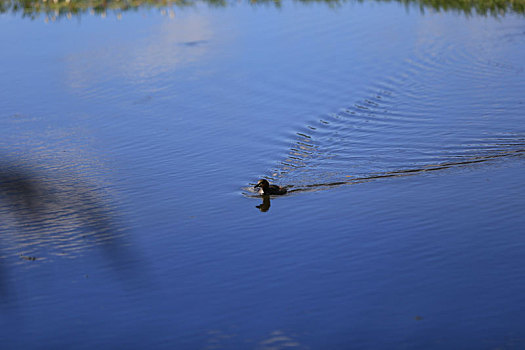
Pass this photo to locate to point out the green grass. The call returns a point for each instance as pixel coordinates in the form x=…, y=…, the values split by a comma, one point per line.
x=56, y=9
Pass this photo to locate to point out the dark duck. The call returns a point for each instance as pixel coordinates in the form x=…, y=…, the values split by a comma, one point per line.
x=266, y=189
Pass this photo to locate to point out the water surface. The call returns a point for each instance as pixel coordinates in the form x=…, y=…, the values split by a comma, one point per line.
x=130, y=143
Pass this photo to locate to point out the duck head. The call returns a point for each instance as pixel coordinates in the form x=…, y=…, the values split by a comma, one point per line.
x=262, y=184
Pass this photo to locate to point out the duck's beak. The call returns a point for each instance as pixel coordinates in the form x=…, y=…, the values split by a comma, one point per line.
x=258, y=185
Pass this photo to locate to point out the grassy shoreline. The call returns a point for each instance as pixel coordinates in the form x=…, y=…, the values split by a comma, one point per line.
x=56, y=9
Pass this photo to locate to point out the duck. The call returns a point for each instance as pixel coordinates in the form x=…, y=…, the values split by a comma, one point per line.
x=266, y=189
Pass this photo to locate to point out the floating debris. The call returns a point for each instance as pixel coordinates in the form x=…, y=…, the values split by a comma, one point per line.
x=28, y=258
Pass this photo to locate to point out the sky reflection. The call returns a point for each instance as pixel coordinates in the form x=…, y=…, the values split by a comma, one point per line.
x=164, y=48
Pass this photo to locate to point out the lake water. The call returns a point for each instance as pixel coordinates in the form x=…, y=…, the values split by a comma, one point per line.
x=130, y=143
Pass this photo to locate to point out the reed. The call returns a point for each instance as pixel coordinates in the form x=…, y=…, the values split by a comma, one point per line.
x=57, y=9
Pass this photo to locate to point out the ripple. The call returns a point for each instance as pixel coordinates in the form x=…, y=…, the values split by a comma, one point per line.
x=53, y=214
x=446, y=107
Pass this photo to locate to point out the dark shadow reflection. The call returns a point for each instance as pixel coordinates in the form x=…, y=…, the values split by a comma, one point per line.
x=47, y=215
x=54, y=10
x=265, y=205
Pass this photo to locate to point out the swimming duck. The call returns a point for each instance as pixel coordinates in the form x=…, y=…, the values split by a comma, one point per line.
x=265, y=188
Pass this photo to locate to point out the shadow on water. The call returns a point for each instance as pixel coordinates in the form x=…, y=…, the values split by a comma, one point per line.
x=46, y=216
x=56, y=9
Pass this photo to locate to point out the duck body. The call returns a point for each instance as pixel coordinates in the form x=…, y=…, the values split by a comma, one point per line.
x=266, y=189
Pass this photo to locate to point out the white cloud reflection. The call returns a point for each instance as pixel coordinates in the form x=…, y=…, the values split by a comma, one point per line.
x=135, y=57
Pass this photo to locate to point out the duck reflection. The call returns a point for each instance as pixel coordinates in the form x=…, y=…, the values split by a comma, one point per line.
x=50, y=214
x=265, y=205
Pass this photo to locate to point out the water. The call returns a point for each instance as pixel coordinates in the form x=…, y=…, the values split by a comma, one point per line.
x=130, y=144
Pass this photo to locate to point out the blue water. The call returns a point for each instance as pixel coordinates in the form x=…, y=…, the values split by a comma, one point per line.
x=130, y=147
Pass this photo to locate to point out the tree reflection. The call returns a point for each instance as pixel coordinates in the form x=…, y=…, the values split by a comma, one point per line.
x=56, y=9
x=45, y=215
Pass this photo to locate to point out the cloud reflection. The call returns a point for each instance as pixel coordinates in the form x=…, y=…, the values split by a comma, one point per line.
x=171, y=45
